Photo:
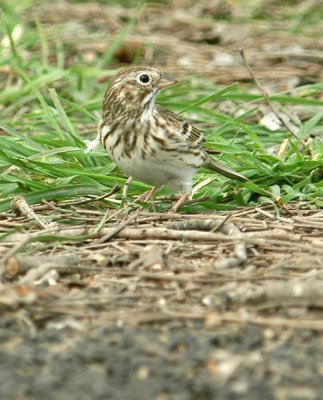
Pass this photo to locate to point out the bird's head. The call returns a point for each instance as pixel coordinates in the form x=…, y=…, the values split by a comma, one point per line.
x=135, y=88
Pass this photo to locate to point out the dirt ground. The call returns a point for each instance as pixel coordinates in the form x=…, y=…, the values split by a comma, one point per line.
x=171, y=306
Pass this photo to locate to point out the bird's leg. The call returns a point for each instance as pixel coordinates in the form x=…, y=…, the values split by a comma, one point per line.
x=150, y=194
x=126, y=187
x=147, y=196
x=178, y=203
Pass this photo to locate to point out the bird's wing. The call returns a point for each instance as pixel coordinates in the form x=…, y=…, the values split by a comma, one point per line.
x=190, y=136
x=185, y=131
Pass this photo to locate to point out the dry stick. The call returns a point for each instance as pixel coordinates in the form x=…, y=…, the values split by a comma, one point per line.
x=277, y=237
x=22, y=242
x=14, y=266
x=273, y=322
x=222, y=223
x=21, y=207
x=116, y=230
x=229, y=229
x=107, y=218
x=240, y=250
x=198, y=277
x=38, y=272
x=276, y=322
x=198, y=225
x=267, y=99
x=114, y=190
x=210, y=320
x=129, y=233
x=269, y=215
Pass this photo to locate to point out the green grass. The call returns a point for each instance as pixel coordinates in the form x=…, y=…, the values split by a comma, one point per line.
x=49, y=110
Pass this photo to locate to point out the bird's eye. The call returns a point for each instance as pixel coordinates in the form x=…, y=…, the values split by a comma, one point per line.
x=144, y=78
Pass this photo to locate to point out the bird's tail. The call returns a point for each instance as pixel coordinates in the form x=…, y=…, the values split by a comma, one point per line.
x=93, y=145
x=223, y=170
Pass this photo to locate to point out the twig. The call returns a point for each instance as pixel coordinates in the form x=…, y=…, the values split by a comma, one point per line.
x=21, y=207
x=24, y=240
x=116, y=230
x=108, y=217
x=18, y=265
x=39, y=272
x=267, y=99
x=240, y=250
x=115, y=189
x=166, y=234
x=198, y=225
x=269, y=215
x=229, y=229
x=210, y=319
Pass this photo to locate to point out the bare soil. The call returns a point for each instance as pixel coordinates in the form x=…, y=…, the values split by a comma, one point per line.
x=167, y=307
x=170, y=306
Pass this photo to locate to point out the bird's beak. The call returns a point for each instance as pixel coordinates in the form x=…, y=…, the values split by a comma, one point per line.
x=166, y=82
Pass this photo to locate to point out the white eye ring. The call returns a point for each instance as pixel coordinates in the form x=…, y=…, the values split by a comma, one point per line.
x=143, y=78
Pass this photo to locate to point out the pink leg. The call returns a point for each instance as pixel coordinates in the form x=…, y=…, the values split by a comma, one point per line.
x=179, y=202
x=150, y=194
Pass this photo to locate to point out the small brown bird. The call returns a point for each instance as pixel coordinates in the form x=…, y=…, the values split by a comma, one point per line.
x=147, y=141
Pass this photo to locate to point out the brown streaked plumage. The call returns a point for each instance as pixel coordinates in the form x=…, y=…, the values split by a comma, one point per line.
x=147, y=141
